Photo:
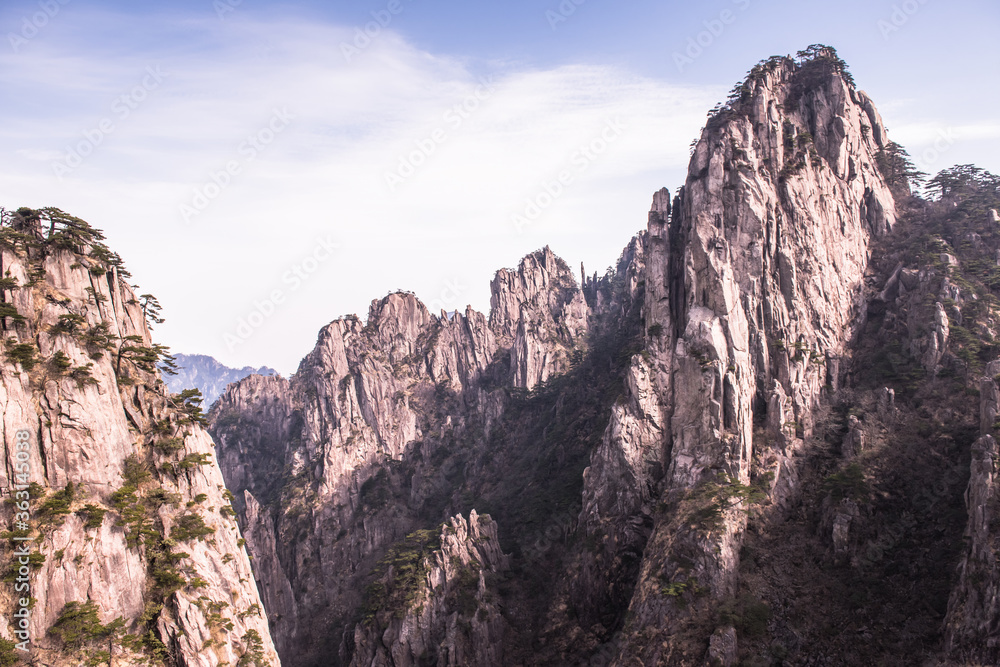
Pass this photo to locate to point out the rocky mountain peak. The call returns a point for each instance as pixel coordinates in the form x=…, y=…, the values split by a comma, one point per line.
x=542, y=282
x=540, y=313
x=398, y=320
x=661, y=204
x=767, y=374
x=754, y=287
x=790, y=116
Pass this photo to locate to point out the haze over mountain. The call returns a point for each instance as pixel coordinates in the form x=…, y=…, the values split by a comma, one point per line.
x=202, y=372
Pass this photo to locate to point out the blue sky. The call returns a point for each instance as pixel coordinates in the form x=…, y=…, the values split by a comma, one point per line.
x=266, y=167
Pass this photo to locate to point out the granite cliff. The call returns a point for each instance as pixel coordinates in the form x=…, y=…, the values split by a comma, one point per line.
x=384, y=430
x=634, y=436
x=765, y=436
x=135, y=553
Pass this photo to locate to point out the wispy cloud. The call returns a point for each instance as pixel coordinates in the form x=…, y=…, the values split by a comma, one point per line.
x=325, y=173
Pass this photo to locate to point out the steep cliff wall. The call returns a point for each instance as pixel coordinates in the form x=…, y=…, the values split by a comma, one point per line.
x=752, y=293
x=748, y=441
x=373, y=438
x=129, y=515
x=432, y=604
x=973, y=614
x=539, y=312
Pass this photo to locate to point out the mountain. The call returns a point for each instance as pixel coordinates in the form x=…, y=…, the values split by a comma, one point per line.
x=202, y=372
x=123, y=545
x=749, y=442
x=766, y=436
x=389, y=427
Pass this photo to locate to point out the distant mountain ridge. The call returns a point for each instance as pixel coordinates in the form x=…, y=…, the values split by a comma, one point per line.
x=208, y=375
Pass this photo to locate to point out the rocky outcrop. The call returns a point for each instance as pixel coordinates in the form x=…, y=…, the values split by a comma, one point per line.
x=758, y=279
x=722, y=648
x=627, y=467
x=366, y=433
x=974, y=607
x=437, y=602
x=930, y=346
x=541, y=314
x=989, y=404
x=854, y=441
x=129, y=515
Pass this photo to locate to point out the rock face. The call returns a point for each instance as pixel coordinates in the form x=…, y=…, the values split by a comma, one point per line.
x=541, y=314
x=722, y=651
x=628, y=465
x=129, y=514
x=202, y=372
x=749, y=432
x=754, y=287
x=975, y=602
x=366, y=438
x=444, y=611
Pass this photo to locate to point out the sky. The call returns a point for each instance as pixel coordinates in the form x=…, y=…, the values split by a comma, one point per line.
x=267, y=167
